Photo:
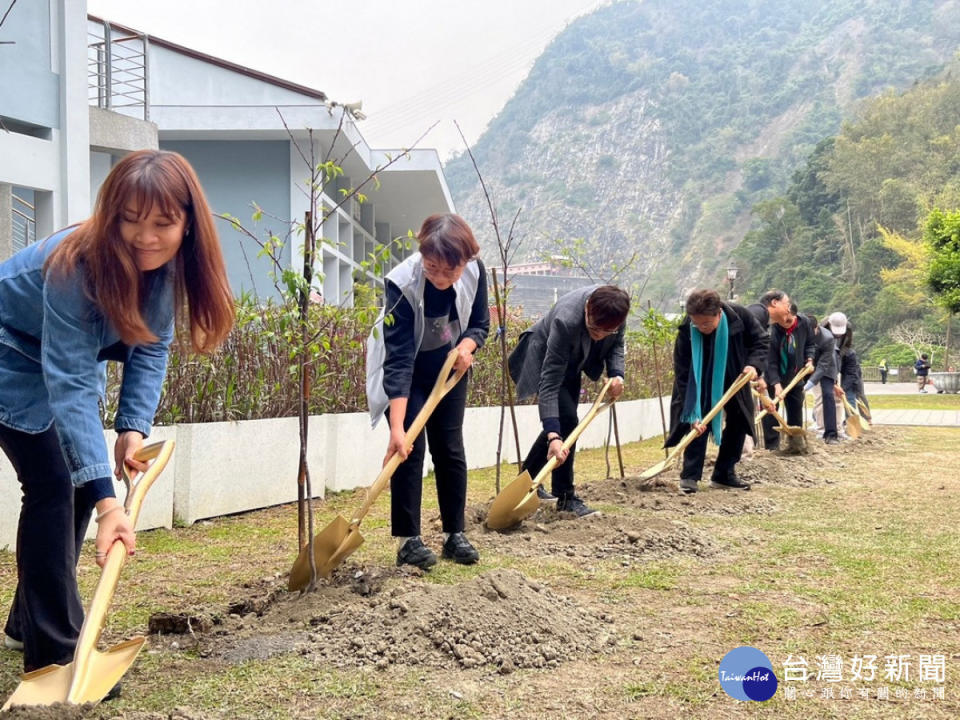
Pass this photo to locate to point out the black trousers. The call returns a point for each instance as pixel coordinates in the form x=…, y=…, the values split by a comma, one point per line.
x=46, y=613
x=793, y=404
x=444, y=432
x=735, y=429
x=829, y=407
x=561, y=479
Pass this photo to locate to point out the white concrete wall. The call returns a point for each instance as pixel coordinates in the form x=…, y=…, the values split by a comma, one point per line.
x=229, y=467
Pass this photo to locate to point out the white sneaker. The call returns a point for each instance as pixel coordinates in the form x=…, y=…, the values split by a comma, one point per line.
x=12, y=644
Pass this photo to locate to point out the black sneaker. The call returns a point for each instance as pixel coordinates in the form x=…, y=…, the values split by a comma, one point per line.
x=414, y=552
x=114, y=693
x=728, y=482
x=571, y=503
x=544, y=495
x=458, y=548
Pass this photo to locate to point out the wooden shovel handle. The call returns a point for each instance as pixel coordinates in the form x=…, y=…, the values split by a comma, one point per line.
x=807, y=369
x=597, y=408
x=742, y=380
x=769, y=407
x=446, y=381
x=117, y=555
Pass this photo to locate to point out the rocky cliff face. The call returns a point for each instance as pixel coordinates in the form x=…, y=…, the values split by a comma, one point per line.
x=646, y=132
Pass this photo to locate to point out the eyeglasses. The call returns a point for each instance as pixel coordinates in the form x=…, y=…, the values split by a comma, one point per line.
x=596, y=329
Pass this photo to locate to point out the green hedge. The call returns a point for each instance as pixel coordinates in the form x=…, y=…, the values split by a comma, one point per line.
x=253, y=375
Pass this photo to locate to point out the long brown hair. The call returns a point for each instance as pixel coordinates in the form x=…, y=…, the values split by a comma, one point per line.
x=162, y=179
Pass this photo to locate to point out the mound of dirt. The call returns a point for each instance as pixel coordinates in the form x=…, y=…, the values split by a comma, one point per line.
x=499, y=618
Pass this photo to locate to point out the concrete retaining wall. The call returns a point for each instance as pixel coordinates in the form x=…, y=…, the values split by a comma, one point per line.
x=229, y=467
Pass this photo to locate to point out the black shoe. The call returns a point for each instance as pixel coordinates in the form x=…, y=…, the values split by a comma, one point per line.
x=458, y=548
x=571, y=503
x=113, y=694
x=728, y=482
x=688, y=486
x=832, y=441
x=544, y=495
x=414, y=552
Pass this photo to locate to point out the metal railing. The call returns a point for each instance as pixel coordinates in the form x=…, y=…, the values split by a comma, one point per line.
x=118, y=70
x=24, y=223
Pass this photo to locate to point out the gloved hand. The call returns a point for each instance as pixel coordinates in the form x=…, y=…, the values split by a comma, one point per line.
x=807, y=386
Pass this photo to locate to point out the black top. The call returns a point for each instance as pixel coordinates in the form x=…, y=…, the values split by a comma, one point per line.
x=442, y=330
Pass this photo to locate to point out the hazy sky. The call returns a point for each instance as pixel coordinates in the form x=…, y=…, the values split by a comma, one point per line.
x=412, y=62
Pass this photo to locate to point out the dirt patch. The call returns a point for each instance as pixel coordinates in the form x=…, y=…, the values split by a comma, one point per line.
x=59, y=711
x=661, y=494
x=499, y=618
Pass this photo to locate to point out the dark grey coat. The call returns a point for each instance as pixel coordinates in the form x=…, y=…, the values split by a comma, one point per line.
x=557, y=344
x=747, y=345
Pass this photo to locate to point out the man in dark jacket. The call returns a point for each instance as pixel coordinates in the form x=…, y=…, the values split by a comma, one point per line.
x=772, y=307
x=824, y=378
x=582, y=333
x=792, y=347
x=715, y=343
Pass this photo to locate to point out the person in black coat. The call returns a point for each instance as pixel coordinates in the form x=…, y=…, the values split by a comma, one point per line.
x=792, y=347
x=772, y=307
x=714, y=332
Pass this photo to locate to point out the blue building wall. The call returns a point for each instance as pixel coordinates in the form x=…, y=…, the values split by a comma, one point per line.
x=235, y=174
x=29, y=91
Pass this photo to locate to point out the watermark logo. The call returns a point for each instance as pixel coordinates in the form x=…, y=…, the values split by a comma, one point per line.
x=747, y=674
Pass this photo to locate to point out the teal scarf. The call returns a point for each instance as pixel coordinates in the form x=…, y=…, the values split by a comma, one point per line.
x=691, y=406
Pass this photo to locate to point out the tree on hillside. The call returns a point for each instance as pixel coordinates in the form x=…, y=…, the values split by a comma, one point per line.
x=942, y=234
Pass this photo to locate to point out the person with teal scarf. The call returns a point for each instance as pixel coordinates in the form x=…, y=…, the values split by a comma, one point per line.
x=716, y=342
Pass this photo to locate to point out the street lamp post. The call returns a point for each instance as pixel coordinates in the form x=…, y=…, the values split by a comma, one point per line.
x=732, y=271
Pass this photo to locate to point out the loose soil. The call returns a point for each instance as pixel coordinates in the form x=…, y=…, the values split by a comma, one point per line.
x=541, y=640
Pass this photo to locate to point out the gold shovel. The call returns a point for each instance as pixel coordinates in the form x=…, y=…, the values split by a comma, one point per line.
x=855, y=424
x=807, y=369
x=93, y=673
x=742, y=380
x=772, y=409
x=518, y=500
x=336, y=542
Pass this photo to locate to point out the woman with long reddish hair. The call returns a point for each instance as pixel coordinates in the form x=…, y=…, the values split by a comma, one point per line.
x=109, y=288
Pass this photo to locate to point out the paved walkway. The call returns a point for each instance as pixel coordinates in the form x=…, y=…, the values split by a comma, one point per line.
x=932, y=418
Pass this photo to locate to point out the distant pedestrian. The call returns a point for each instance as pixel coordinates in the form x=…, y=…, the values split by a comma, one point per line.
x=883, y=371
x=922, y=366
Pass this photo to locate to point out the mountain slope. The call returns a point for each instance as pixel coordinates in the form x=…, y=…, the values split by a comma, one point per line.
x=653, y=128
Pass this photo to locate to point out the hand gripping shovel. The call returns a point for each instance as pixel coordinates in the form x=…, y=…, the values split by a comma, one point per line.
x=336, y=542
x=785, y=391
x=93, y=673
x=518, y=500
x=772, y=409
x=693, y=434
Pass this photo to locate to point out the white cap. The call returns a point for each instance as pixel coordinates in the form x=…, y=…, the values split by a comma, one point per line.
x=838, y=323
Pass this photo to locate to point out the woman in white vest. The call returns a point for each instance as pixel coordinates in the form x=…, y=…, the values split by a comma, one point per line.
x=437, y=300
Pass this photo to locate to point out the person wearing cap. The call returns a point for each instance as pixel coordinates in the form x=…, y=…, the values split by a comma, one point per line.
x=716, y=342
x=851, y=376
x=823, y=381
x=792, y=348
x=922, y=366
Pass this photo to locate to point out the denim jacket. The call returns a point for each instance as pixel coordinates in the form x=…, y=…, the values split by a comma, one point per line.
x=54, y=344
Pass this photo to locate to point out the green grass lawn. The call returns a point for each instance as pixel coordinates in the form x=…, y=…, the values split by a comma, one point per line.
x=917, y=401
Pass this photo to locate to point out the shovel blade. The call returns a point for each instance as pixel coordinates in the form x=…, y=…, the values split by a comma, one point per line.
x=66, y=684
x=854, y=429
x=325, y=545
x=516, y=501
x=655, y=470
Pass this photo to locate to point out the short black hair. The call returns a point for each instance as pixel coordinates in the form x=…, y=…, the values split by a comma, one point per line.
x=609, y=306
x=703, y=302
